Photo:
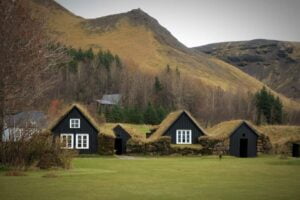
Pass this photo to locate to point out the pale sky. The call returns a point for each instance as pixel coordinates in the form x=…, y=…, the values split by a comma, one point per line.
x=200, y=22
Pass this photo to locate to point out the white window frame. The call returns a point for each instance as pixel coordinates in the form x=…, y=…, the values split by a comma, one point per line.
x=65, y=145
x=182, y=136
x=87, y=141
x=74, y=121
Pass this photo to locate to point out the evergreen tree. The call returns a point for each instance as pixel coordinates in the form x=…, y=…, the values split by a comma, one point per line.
x=150, y=115
x=277, y=111
x=89, y=54
x=118, y=61
x=106, y=59
x=134, y=115
x=116, y=114
x=161, y=114
x=79, y=55
x=157, y=85
x=268, y=107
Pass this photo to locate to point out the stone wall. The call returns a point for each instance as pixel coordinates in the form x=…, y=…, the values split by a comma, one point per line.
x=264, y=145
x=285, y=149
x=106, y=145
x=161, y=146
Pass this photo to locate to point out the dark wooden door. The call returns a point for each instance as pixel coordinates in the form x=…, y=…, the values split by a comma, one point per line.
x=296, y=150
x=118, y=146
x=243, y=148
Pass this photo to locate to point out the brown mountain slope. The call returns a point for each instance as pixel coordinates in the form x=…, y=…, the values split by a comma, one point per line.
x=275, y=63
x=138, y=37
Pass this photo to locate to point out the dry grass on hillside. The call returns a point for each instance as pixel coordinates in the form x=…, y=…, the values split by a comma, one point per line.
x=139, y=45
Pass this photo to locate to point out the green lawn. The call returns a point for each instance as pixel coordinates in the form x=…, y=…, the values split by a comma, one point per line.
x=105, y=178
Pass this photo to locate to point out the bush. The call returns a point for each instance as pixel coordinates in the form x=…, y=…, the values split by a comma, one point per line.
x=50, y=175
x=34, y=149
x=14, y=173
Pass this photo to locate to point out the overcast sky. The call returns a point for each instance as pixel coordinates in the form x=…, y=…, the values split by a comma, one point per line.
x=199, y=22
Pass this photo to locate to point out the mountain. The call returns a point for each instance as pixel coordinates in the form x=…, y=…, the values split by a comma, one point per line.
x=138, y=38
x=275, y=63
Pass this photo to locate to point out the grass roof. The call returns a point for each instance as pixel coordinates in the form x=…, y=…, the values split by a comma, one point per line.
x=136, y=131
x=169, y=120
x=82, y=109
x=223, y=130
x=280, y=134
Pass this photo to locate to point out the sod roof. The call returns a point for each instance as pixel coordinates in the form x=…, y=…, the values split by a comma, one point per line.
x=84, y=111
x=133, y=130
x=280, y=134
x=169, y=121
x=224, y=130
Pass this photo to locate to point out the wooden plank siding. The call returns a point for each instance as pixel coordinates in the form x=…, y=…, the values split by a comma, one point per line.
x=184, y=123
x=86, y=127
x=243, y=132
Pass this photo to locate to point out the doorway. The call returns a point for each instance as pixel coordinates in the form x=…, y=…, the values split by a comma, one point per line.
x=296, y=152
x=244, y=148
x=118, y=146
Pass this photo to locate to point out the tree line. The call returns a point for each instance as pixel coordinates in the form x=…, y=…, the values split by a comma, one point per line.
x=151, y=115
x=100, y=72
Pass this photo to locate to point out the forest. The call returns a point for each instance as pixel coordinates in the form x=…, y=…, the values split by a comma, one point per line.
x=148, y=98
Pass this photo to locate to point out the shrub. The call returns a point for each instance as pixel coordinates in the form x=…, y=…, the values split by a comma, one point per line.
x=31, y=149
x=14, y=173
x=50, y=175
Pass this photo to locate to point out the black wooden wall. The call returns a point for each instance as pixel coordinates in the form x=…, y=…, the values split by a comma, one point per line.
x=244, y=131
x=184, y=122
x=85, y=127
x=120, y=133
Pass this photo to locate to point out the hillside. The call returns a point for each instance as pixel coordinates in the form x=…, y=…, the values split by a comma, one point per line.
x=140, y=39
x=275, y=63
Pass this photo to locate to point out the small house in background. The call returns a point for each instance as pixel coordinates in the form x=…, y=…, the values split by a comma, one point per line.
x=19, y=124
x=181, y=126
x=122, y=133
x=108, y=100
x=77, y=130
x=237, y=138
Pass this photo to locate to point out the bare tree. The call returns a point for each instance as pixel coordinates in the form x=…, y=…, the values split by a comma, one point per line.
x=26, y=57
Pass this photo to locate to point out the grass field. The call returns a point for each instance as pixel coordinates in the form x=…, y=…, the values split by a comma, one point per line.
x=161, y=178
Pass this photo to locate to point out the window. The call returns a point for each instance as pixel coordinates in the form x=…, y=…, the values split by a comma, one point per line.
x=183, y=136
x=66, y=141
x=82, y=141
x=74, y=123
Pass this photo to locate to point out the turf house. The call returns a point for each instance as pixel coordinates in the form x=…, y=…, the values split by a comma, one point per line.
x=77, y=130
x=237, y=138
x=115, y=137
x=181, y=127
